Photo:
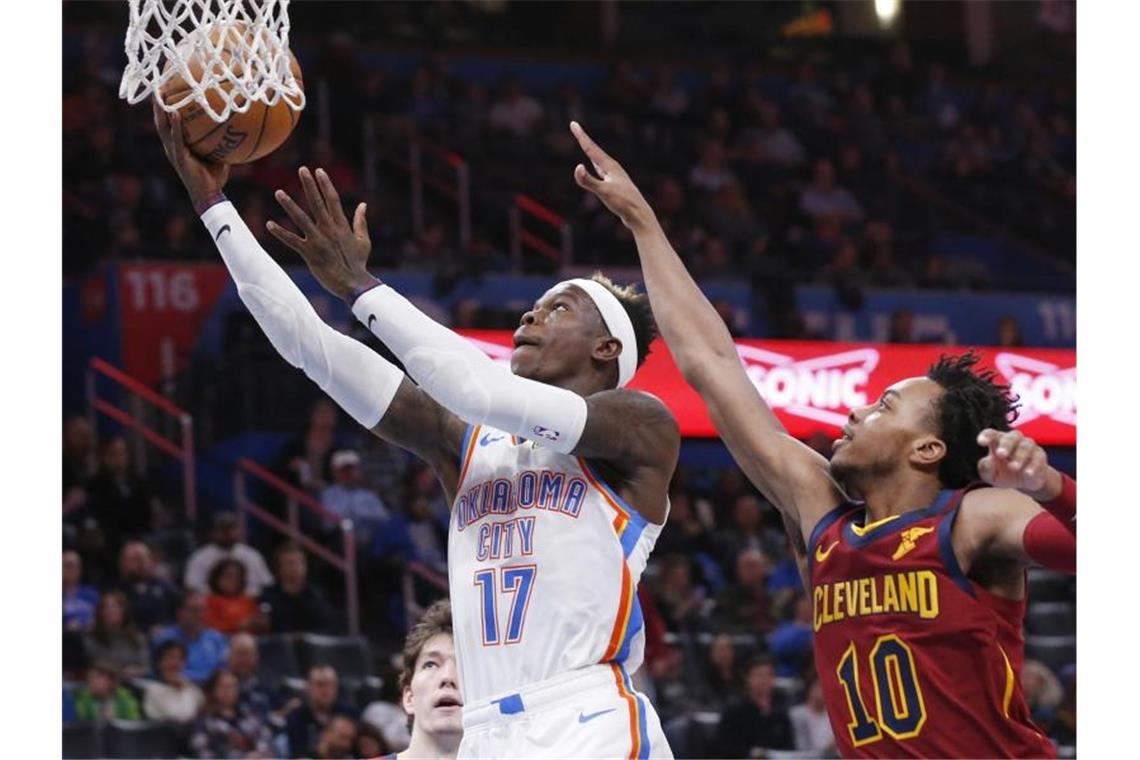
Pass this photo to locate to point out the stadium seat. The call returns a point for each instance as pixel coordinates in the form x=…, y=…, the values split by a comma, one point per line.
x=277, y=659
x=140, y=739
x=348, y=655
x=1054, y=651
x=80, y=741
x=1051, y=619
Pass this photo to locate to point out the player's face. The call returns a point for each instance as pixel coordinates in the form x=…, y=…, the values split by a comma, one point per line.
x=433, y=694
x=881, y=437
x=558, y=336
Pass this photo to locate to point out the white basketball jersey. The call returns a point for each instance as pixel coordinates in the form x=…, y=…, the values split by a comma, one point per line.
x=543, y=561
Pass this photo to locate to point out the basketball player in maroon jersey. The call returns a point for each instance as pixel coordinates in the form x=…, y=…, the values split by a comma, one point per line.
x=914, y=539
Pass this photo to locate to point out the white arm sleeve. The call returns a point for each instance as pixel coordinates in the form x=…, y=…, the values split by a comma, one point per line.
x=354, y=376
x=468, y=382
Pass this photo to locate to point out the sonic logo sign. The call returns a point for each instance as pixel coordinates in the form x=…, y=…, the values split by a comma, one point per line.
x=813, y=385
x=822, y=389
x=1043, y=388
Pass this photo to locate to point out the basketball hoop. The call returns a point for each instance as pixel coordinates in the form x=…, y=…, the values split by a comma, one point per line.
x=228, y=54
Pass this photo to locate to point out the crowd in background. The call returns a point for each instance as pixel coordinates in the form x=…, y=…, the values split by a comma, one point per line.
x=163, y=625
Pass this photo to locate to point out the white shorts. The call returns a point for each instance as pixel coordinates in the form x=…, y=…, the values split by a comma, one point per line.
x=592, y=712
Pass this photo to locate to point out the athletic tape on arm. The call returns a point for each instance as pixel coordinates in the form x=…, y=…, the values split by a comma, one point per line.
x=465, y=380
x=355, y=377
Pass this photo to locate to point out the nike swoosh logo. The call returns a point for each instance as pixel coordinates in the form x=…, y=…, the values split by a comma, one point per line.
x=225, y=228
x=371, y=319
x=583, y=718
x=821, y=555
x=487, y=439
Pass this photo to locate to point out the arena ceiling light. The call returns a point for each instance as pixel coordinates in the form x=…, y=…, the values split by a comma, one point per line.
x=887, y=11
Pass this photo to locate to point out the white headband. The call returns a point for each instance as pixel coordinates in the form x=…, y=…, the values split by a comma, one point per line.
x=617, y=322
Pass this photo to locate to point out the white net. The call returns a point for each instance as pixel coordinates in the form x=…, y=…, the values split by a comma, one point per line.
x=222, y=54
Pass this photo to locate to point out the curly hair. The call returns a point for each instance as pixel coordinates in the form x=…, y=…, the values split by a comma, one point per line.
x=636, y=305
x=971, y=401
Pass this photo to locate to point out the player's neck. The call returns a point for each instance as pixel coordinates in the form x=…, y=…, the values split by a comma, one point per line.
x=423, y=744
x=887, y=497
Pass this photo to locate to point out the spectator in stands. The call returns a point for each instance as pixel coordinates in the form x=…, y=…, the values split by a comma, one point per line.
x=768, y=142
x=1043, y=692
x=668, y=97
x=743, y=606
x=722, y=678
x=305, y=724
x=121, y=501
x=242, y=662
x=682, y=602
x=306, y=458
x=349, y=498
x=370, y=742
x=386, y=715
x=1009, y=332
x=224, y=544
x=382, y=465
x=790, y=642
x=227, y=728
x=711, y=173
x=684, y=533
x=205, y=648
x=153, y=602
x=103, y=697
x=337, y=739
x=755, y=722
x=823, y=197
x=810, y=724
x=78, y=462
x=514, y=112
x=173, y=697
x=746, y=531
x=294, y=605
x=229, y=608
x=79, y=601
x=428, y=539
x=114, y=638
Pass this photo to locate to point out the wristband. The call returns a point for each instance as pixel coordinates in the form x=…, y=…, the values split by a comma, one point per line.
x=210, y=200
x=1064, y=506
x=357, y=292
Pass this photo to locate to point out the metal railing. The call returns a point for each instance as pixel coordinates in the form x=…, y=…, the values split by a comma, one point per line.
x=134, y=419
x=295, y=498
x=447, y=173
x=524, y=206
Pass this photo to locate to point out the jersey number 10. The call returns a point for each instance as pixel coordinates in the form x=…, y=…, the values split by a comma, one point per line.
x=898, y=696
x=517, y=580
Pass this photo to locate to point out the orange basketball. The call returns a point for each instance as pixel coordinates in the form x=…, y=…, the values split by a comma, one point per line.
x=243, y=137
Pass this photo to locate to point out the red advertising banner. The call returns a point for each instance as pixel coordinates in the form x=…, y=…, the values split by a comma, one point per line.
x=812, y=386
x=163, y=307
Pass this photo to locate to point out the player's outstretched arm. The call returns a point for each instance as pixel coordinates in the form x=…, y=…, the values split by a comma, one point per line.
x=371, y=390
x=790, y=474
x=1029, y=517
x=632, y=430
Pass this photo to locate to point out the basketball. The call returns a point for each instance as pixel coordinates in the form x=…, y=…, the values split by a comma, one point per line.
x=246, y=135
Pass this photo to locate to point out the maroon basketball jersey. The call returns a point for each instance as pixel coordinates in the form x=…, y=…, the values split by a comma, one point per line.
x=915, y=660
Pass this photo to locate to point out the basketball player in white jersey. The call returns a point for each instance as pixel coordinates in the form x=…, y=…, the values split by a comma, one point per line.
x=558, y=477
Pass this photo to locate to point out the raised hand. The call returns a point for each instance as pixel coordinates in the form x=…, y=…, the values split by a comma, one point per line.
x=614, y=188
x=204, y=180
x=1015, y=461
x=336, y=253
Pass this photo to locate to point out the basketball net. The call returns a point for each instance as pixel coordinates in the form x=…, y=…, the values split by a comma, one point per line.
x=234, y=50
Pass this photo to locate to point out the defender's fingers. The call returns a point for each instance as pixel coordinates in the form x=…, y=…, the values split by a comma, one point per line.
x=1008, y=443
x=1038, y=461
x=360, y=223
x=332, y=197
x=585, y=180
x=1020, y=456
x=988, y=437
x=290, y=239
x=316, y=203
x=295, y=212
x=598, y=157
